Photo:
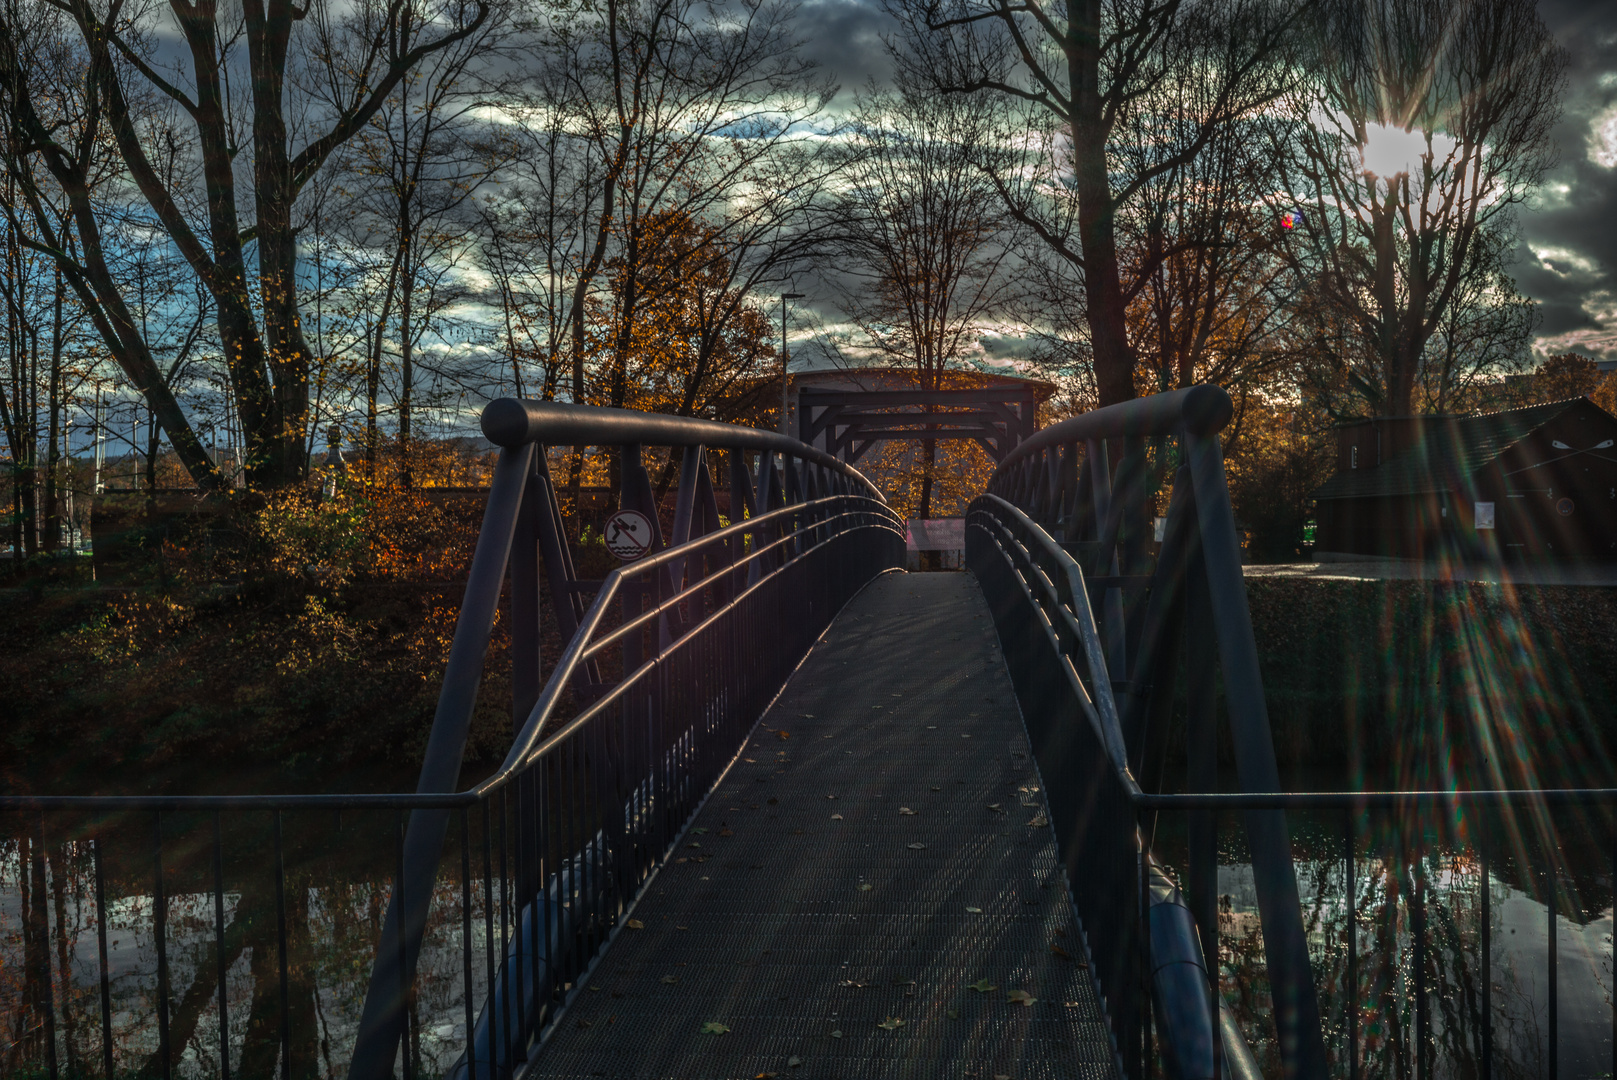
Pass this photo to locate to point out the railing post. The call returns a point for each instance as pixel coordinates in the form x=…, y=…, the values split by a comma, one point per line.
x=525, y=642
x=1297, y=1019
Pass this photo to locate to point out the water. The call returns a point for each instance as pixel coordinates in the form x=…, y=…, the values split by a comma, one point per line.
x=338, y=873
x=1393, y=865
x=337, y=882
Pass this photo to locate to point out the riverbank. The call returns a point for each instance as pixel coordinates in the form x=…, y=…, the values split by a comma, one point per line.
x=1431, y=683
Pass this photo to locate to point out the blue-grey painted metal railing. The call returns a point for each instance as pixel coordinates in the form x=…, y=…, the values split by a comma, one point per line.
x=1051, y=545
x=711, y=624
x=665, y=669
x=1116, y=673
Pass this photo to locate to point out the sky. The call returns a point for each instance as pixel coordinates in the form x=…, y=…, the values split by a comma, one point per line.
x=1568, y=261
x=1567, y=256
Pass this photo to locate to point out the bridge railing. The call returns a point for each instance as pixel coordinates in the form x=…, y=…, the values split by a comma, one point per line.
x=1099, y=642
x=489, y=903
x=1092, y=637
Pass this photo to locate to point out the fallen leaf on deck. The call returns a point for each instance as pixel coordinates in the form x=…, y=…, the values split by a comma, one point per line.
x=1039, y=821
x=670, y=980
x=975, y=910
x=595, y=989
x=906, y=811
x=954, y=1014
x=807, y=715
x=793, y=1062
x=995, y=807
x=830, y=796
x=983, y=986
x=681, y=928
x=699, y=829
x=836, y=817
x=693, y=844
x=783, y=734
x=866, y=888
x=1057, y=950
x=635, y=924
x=836, y=1034
x=713, y=1027
x=901, y=981
x=917, y=847
x=1020, y=997
x=937, y=789
x=726, y=832
x=765, y=1076
x=892, y=1023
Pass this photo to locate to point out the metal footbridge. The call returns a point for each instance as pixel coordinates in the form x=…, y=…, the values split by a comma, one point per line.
x=777, y=808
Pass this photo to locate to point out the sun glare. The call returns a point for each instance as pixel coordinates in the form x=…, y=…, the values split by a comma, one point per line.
x=1388, y=151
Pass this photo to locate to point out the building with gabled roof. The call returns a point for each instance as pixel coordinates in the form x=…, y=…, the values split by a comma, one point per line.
x=1538, y=481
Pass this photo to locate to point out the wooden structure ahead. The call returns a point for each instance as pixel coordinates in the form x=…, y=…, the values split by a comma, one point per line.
x=1538, y=481
x=847, y=423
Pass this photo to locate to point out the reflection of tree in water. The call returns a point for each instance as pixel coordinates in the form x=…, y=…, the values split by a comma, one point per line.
x=47, y=902
x=1392, y=893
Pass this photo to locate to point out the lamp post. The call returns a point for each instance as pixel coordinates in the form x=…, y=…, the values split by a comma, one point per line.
x=785, y=374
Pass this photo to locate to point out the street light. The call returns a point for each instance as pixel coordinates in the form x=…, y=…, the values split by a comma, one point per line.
x=785, y=375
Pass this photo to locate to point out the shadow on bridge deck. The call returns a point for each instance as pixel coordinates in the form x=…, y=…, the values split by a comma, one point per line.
x=878, y=851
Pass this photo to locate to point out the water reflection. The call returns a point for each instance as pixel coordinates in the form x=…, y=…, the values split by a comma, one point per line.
x=1410, y=885
x=307, y=945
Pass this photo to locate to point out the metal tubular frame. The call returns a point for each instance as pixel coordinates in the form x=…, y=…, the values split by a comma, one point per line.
x=1045, y=543
x=704, y=630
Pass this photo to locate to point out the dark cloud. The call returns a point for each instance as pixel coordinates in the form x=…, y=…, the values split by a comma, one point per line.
x=1571, y=265
x=845, y=38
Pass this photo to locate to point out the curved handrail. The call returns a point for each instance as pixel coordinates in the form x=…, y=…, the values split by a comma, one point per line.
x=780, y=534
x=1043, y=482
x=527, y=748
x=1201, y=410
x=513, y=422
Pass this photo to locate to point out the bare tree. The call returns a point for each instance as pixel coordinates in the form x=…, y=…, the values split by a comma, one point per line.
x=927, y=237
x=1087, y=75
x=313, y=78
x=412, y=172
x=1426, y=124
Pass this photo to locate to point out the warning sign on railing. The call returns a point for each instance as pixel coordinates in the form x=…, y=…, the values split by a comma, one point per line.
x=628, y=534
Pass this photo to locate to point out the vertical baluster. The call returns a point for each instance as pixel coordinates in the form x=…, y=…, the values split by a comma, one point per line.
x=1486, y=973
x=1550, y=885
x=160, y=939
x=519, y=889
x=507, y=1017
x=1351, y=895
x=542, y=901
x=494, y=1027
x=101, y=952
x=219, y=947
x=1418, y=930
x=466, y=940
x=281, y=945
x=40, y=917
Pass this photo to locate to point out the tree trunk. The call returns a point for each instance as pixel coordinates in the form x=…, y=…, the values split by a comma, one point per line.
x=929, y=461
x=53, y=517
x=1103, y=283
x=406, y=372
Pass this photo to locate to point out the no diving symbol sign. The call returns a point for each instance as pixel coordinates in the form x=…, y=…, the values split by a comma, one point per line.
x=628, y=534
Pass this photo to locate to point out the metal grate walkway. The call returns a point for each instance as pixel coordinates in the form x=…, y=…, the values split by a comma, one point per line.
x=878, y=852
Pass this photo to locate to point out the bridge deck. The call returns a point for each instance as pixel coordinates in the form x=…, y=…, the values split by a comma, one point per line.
x=879, y=848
